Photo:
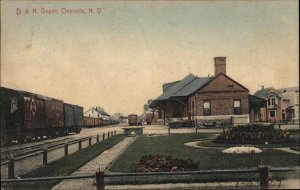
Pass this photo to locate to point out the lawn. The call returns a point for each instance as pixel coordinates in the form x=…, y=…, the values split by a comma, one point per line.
x=65, y=166
x=173, y=145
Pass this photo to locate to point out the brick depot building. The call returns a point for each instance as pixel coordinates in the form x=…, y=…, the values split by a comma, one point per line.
x=208, y=98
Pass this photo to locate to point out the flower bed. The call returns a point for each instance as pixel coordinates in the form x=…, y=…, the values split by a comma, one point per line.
x=254, y=134
x=157, y=163
x=242, y=150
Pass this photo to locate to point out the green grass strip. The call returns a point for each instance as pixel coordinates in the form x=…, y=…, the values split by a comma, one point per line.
x=209, y=158
x=65, y=166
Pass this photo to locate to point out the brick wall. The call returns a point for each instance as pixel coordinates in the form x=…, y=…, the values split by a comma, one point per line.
x=221, y=92
x=222, y=102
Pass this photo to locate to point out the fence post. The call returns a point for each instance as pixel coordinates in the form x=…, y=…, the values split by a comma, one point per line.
x=90, y=141
x=45, y=159
x=263, y=177
x=66, y=149
x=169, y=130
x=111, y=133
x=97, y=138
x=11, y=168
x=293, y=121
x=108, y=135
x=103, y=136
x=79, y=144
x=196, y=128
x=115, y=132
x=100, y=180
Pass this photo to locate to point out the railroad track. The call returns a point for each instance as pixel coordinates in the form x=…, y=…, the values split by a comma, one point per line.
x=7, y=152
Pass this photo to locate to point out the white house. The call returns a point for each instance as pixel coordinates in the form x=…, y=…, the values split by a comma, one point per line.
x=97, y=112
x=291, y=102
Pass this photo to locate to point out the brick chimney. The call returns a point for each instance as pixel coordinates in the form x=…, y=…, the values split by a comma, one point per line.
x=220, y=65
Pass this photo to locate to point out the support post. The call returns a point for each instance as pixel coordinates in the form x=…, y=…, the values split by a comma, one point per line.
x=263, y=177
x=111, y=133
x=100, y=180
x=90, y=141
x=80, y=144
x=97, y=138
x=169, y=130
x=66, y=149
x=108, y=135
x=45, y=159
x=11, y=168
x=196, y=128
x=103, y=136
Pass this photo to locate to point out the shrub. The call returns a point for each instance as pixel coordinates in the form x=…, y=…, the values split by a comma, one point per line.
x=157, y=163
x=253, y=133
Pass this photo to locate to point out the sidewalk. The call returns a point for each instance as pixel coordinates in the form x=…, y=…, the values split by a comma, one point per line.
x=103, y=161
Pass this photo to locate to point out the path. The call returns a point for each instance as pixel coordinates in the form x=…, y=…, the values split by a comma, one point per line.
x=196, y=144
x=103, y=161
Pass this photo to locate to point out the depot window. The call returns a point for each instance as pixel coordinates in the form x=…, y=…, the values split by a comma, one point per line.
x=206, y=107
x=237, y=110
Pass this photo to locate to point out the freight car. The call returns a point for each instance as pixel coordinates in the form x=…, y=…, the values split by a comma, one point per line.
x=133, y=119
x=25, y=115
x=73, y=118
x=92, y=122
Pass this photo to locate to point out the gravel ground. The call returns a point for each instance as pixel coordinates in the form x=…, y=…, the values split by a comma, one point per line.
x=101, y=162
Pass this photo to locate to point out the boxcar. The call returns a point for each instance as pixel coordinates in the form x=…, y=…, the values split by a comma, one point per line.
x=41, y=116
x=10, y=121
x=26, y=115
x=92, y=122
x=132, y=119
x=73, y=116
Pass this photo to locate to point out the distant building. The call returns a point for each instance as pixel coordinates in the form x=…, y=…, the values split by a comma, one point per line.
x=97, y=112
x=120, y=117
x=202, y=98
x=282, y=104
x=290, y=102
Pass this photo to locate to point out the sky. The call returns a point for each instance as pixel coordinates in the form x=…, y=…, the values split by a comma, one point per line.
x=119, y=57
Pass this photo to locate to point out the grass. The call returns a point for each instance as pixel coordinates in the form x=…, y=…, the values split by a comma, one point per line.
x=65, y=166
x=173, y=145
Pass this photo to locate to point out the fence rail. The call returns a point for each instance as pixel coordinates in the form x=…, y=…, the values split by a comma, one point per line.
x=11, y=169
x=263, y=172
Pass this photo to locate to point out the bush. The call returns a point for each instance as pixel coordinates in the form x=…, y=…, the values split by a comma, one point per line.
x=253, y=133
x=157, y=163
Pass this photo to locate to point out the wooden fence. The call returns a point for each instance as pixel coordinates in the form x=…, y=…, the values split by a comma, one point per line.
x=263, y=172
x=11, y=162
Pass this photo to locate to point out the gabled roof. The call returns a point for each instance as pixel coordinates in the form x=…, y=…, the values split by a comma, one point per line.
x=176, y=87
x=187, y=86
x=192, y=87
x=222, y=74
x=166, y=86
x=102, y=112
x=264, y=93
